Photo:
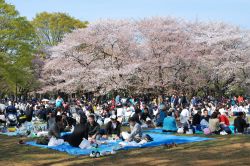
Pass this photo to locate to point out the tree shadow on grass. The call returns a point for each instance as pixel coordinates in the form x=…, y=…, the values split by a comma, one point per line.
x=225, y=150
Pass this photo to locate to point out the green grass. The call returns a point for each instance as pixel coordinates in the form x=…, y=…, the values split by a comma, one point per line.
x=224, y=150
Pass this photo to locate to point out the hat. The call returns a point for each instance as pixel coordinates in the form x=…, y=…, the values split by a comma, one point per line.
x=113, y=117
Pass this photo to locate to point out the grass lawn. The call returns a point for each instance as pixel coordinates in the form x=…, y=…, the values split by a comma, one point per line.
x=225, y=150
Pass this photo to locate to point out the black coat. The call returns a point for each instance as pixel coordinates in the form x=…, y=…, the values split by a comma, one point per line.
x=240, y=124
x=196, y=119
x=80, y=132
x=93, y=129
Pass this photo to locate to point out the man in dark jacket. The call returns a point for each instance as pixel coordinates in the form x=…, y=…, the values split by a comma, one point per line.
x=137, y=114
x=93, y=128
x=80, y=132
x=145, y=115
x=113, y=127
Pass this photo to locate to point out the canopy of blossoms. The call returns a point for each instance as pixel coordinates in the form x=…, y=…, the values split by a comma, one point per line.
x=159, y=54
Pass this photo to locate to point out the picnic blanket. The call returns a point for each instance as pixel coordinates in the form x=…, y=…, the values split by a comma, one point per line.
x=160, y=131
x=18, y=133
x=33, y=127
x=159, y=139
x=157, y=130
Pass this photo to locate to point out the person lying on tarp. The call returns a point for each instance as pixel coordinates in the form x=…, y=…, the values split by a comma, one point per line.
x=80, y=132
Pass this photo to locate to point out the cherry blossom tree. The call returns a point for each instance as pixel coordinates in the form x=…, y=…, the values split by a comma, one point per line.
x=156, y=55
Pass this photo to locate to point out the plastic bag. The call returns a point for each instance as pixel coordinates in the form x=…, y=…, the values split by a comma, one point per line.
x=125, y=135
x=142, y=142
x=180, y=130
x=207, y=131
x=85, y=144
x=190, y=131
x=124, y=144
x=2, y=117
x=55, y=142
x=42, y=133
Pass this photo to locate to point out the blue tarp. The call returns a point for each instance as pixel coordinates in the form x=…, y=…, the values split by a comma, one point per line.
x=17, y=133
x=159, y=139
x=10, y=133
x=157, y=130
x=160, y=131
x=75, y=150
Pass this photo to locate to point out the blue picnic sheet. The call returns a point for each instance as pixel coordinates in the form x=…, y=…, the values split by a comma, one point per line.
x=17, y=133
x=160, y=131
x=157, y=130
x=159, y=139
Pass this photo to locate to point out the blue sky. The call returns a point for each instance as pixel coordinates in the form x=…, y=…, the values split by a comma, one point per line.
x=235, y=12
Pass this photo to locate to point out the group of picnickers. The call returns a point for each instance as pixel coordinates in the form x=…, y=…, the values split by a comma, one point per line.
x=125, y=118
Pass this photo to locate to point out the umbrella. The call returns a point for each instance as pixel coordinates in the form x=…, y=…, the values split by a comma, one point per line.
x=45, y=100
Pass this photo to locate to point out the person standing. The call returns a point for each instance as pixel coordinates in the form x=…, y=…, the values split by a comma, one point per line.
x=59, y=102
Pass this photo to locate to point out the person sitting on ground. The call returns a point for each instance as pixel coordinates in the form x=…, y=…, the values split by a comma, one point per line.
x=137, y=114
x=197, y=120
x=224, y=122
x=68, y=122
x=136, y=131
x=205, y=115
x=184, y=118
x=150, y=123
x=204, y=119
x=145, y=115
x=160, y=116
x=53, y=127
x=93, y=128
x=113, y=127
x=11, y=109
x=80, y=132
x=240, y=123
x=214, y=123
x=29, y=113
x=42, y=113
x=169, y=123
x=2, y=117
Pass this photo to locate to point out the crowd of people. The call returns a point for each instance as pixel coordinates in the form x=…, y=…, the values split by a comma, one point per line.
x=92, y=121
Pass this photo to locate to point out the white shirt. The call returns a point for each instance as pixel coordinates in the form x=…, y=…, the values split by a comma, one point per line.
x=120, y=112
x=184, y=116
